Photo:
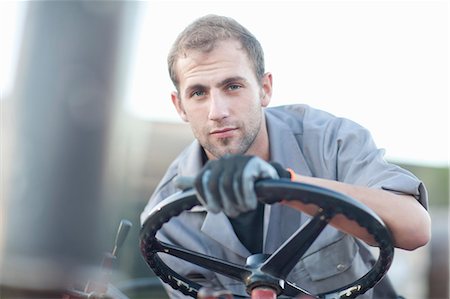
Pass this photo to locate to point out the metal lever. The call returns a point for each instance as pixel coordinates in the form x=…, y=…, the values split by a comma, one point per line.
x=122, y=233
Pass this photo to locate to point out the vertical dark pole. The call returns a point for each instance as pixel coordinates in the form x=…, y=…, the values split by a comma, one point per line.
x=64, y=101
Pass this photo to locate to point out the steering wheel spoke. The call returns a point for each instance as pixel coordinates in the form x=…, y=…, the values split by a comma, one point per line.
x=283, y=260
x=293, y=290
x=231, y=270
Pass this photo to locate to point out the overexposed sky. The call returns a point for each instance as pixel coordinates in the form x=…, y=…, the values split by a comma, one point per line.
x=11, y=24
x=383, y=64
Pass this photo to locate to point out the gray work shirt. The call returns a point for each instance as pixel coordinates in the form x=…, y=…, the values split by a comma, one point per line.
x=313, y=143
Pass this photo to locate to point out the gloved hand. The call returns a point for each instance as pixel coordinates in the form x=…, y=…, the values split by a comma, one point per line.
x=227, y=184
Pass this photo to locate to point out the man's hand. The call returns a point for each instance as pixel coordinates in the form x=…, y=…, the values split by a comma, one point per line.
x=227, y=184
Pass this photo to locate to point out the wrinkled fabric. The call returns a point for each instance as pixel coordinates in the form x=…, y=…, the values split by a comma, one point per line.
x=312, y=143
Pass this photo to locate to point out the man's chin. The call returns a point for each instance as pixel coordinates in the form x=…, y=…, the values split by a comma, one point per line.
x=225, y=146
x=221, y=152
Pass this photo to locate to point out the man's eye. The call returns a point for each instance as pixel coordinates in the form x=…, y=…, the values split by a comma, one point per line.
x=234, y=86
x=198, y=93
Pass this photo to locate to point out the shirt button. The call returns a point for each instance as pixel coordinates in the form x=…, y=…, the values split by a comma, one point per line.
x=340, y=267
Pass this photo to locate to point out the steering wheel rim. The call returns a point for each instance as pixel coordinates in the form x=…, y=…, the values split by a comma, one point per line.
x=269, y=191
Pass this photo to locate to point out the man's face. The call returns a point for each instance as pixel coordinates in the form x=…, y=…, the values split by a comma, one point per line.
x=219, y=95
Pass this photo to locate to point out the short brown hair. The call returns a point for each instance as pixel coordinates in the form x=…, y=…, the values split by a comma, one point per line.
x=205, y=32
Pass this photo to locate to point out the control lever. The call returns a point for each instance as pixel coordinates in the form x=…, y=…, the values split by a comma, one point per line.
x=122, y=233
x=101, y=286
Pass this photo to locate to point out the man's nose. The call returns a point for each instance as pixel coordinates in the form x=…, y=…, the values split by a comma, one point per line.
x=218, y=106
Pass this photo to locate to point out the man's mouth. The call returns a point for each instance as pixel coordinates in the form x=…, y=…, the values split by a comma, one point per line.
x=223, y=132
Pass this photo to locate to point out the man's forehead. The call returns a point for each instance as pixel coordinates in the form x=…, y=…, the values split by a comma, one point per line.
x=220, y=57
x=209, y=48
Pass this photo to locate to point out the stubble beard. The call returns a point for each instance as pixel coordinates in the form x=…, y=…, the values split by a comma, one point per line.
x=226, y=146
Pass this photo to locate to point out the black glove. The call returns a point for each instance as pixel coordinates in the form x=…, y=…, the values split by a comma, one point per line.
x=227, y=184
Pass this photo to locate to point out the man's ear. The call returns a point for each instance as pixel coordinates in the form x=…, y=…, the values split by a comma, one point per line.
x=176, y=101
x=266, y=89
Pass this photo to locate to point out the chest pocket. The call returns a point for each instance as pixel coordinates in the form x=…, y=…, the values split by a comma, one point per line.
x=331, y=260
x=333, y=265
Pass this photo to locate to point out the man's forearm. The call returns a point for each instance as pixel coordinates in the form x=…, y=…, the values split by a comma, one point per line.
x=406, y=218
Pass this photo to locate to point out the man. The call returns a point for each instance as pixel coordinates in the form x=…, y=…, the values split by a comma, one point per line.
x=222, y=91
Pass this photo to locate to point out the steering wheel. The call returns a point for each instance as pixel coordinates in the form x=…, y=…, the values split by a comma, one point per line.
x=270, y=270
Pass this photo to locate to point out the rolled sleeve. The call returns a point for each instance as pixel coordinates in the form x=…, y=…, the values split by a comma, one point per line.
x=410, y=186
x=360, y=162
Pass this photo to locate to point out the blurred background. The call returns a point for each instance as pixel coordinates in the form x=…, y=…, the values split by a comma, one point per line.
x=87, y=126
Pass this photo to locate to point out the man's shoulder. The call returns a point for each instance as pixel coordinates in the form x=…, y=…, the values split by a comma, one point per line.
x=299, y=111
x=183, y=165
x=283, y=110
x=301, y=117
